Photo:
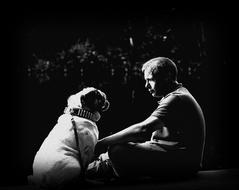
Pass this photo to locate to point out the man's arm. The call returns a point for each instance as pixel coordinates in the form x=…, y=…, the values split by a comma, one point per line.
x=135, y=133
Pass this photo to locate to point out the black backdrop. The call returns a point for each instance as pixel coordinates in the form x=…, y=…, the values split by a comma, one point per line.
x=30, y=109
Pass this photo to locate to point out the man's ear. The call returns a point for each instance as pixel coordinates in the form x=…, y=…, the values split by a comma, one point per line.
x=168, y=77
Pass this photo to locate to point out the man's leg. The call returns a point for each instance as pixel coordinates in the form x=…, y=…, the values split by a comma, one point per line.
x=142, y=160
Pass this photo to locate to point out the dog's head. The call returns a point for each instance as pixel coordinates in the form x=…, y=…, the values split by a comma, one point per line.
x=89, y=98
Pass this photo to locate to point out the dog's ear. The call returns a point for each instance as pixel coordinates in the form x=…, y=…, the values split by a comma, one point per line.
x=90, y=99
x=106, y=106
x=83, y=100
x=103, y=103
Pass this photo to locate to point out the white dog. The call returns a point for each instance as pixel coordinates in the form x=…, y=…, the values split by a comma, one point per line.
x=69, y=147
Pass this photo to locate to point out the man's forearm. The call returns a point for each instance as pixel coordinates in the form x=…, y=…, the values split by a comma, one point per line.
x=133, y=133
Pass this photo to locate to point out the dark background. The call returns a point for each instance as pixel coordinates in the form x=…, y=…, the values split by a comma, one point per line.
x=32, y=103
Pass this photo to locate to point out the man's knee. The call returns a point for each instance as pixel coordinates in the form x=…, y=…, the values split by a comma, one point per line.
x=116, y=151
x=119, y=155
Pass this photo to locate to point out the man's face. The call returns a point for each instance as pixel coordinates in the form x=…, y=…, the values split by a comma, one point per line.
x=155, y=87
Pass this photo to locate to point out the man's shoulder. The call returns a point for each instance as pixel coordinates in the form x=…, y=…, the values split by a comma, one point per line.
x=179, y=92
x=178, y=95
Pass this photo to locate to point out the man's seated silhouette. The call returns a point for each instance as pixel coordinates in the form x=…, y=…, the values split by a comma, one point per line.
x=170, y=141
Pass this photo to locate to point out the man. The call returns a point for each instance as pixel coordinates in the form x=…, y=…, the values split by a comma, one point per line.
x=171, y=140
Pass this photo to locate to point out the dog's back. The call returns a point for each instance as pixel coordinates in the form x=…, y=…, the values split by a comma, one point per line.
x=57, y=160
